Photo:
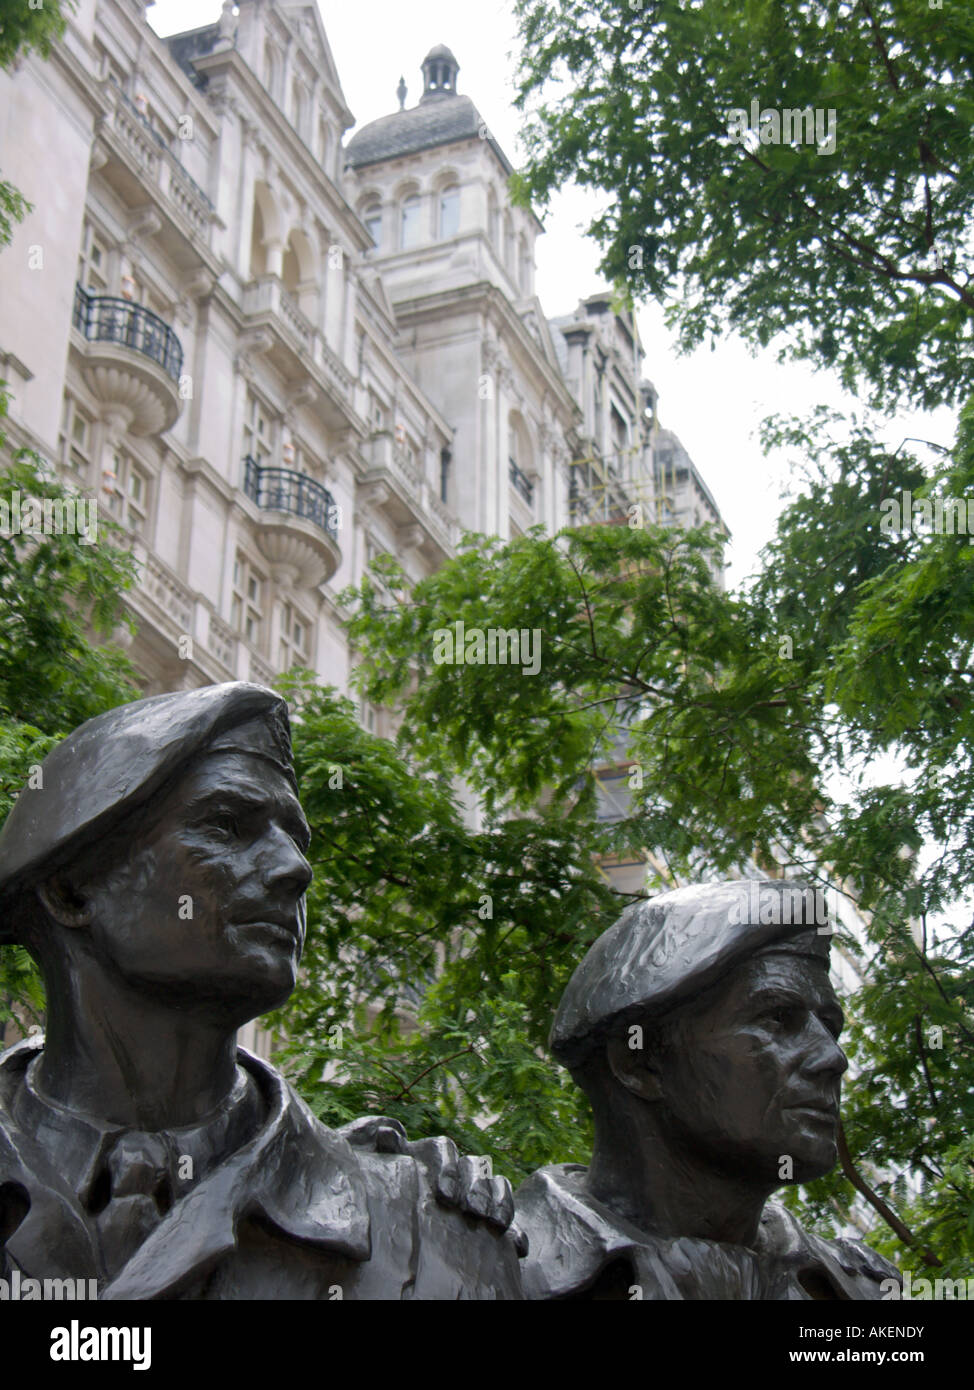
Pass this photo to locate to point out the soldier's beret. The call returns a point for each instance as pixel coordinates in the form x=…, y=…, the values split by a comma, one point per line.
x=112, y=764
x=663, y=951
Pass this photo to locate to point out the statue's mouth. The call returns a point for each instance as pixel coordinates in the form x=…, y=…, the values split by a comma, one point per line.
x=279, y=929
x=821, y=1110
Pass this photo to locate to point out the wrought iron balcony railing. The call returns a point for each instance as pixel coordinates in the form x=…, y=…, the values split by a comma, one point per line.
x=522, y=483
x=284, y=490
x=104, y=319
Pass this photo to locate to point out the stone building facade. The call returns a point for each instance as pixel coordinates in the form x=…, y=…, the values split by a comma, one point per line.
x=272, y=355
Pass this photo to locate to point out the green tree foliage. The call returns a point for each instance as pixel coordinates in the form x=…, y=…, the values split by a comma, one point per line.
x=435, y=949
x=25, y=27
x=419, y=1004
x=58, y=596
x=880, y=614
x=858, y=259
x=854, y=255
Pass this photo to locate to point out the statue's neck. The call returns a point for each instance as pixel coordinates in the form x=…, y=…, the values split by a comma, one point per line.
x=669, y=1193
x=126, y=1058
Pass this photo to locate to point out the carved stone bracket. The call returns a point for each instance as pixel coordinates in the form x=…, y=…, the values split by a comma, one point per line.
x=252, y=345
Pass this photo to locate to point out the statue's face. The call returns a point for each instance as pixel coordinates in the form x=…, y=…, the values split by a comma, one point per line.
x=208, y=911
x=753, y=1078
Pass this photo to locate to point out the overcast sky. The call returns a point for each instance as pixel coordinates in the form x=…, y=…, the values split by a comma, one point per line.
x=713, y=400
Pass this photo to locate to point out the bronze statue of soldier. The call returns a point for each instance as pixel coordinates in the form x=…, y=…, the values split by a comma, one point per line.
x=157, y=876
x=703, y=1029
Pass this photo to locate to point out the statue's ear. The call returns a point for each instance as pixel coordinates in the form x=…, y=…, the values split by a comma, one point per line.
x=631, y=1066
x=63, y=902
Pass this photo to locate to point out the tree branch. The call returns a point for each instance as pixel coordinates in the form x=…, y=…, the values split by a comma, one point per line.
x=876, y=1202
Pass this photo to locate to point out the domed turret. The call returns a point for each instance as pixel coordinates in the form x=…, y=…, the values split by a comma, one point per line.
x=440, y=117
x=440, y=70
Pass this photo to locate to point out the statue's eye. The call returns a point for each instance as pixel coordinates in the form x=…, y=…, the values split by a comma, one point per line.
x=226, y=823
x=784, y=1017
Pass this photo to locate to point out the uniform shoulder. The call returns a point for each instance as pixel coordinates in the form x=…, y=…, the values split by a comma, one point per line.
x=469, y=1246
x=782, y=1230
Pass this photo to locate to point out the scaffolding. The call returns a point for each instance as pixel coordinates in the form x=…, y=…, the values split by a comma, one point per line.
x=599, y=493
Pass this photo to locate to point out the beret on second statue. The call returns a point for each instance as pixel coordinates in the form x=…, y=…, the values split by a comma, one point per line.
x=664, y=951
x=116, y=762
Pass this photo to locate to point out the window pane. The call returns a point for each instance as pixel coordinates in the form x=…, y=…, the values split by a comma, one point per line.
x=373, y=225
x=449, y=212
x=410, y=222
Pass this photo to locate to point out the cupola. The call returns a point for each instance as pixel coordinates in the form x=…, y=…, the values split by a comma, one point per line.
x=440, y=70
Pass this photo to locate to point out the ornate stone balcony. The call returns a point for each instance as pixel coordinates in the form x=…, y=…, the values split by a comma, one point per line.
x=297, y=528
x=399, y=487
x=297, y=348
x=131, y=360
x=138, y=164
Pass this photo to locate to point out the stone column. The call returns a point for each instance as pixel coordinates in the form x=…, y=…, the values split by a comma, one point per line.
x=484, y=494
x=249, y=166
x=547, y=440
x=347, y=352
x=275, y=256
x=505, y=397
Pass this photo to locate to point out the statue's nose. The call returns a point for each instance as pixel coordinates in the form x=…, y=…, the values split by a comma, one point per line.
x=284, y=862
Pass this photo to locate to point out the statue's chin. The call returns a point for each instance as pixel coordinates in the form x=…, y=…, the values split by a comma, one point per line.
x=811, y=1163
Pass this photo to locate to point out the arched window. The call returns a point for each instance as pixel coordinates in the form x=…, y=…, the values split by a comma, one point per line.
x=409, y=222
x=449, y=212
x=523, y=264
x=324, y=141
x=520, y=459
x=372, y=217
x=509, y=243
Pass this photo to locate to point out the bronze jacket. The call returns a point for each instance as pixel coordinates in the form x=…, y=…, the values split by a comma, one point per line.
x=579, y=1249
x=297, y=1212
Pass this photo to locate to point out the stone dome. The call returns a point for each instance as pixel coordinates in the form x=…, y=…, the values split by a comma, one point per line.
x=423, y=127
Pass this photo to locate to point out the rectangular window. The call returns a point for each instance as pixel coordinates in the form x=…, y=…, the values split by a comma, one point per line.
x=378, y=413
x=75, y=440
x=258, y=431
x=93, y=261
x=295, y=647
x=247, y=606
x=126, y=487
x=620, y=430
